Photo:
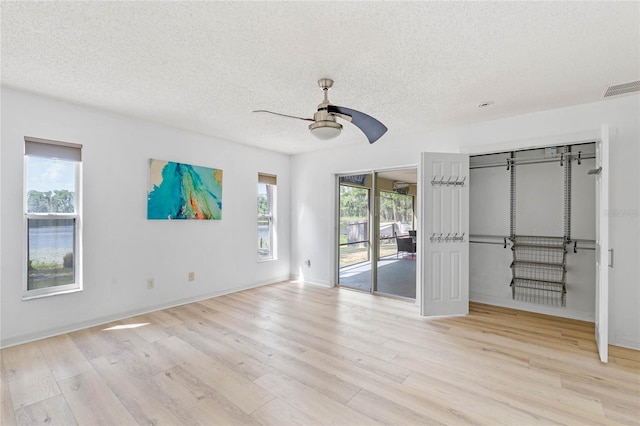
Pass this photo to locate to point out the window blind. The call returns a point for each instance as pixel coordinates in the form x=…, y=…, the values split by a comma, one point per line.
x=36, y=147
x=268, y=179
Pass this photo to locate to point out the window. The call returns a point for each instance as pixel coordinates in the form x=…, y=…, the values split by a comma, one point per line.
x=266, y=217
x=52, y=217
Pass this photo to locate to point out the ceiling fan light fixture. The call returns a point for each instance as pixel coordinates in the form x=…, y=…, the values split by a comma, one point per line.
x=325, y=130
x=326, y=127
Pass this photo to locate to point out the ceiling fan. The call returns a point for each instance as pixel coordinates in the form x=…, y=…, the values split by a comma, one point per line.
x=324, y=125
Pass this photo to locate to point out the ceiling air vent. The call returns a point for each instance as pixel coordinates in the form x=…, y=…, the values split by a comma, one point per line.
x=621, y=89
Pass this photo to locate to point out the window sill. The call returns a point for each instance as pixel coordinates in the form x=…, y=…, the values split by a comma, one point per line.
x=271, y=259
x=56, y=293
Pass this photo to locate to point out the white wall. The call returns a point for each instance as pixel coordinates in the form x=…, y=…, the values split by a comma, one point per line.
x=121, y=247
x=313, y=201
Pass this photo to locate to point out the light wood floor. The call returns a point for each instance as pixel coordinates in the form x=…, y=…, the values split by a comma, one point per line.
x=294, y=354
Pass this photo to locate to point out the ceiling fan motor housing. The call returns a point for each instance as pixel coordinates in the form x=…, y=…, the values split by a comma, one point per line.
x=325, y=125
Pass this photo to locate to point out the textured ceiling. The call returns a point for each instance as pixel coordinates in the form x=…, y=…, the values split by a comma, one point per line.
x=416, y=66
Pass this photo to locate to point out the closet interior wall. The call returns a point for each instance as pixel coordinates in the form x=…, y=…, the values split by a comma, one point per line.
x=525, y=193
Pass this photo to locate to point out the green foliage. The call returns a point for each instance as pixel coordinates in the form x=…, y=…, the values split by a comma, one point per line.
x=263, y=206
x=396, y=207
x=67, y=260
x=43, y=266
x=57, y=201
x=354, y=204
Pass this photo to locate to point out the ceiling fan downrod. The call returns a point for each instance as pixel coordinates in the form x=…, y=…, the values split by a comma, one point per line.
x=325, y=125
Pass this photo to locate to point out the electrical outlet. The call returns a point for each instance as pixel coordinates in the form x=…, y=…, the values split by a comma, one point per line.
x=150, y=283
x=192, y=276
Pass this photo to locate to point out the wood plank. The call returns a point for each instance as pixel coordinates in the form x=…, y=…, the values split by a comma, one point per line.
x=63, y=357
x=495, y=403
x=388, y=412
x=268, y=355
x=203, y=401
x=207, y=410
x=242, y=392
x=296, y=330
x=92, y=343
x=203, y=339
x=319, y=407
x=255, y=333
x=184, y=389
x=7, y=415
x=92, y=401
x=147, y=327
x=278, y=412
x=53, y=411
x=139, y=394
x=430, y=404
x=132, y=349
x=30, y=379
x=250, y=352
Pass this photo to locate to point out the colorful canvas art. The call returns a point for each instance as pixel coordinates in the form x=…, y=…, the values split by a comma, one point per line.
x=183, y=191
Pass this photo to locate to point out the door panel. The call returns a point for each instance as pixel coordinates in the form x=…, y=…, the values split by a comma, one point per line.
x=602, y=244
x=445, y=236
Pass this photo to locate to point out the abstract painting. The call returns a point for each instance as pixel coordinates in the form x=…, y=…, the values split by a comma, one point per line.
x=183, y=191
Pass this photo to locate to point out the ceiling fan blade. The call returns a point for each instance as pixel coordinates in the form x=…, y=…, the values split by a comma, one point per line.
x=372, y=128
x=284, y=115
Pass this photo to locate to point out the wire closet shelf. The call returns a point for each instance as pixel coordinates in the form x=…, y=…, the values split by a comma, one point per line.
x=539, y=269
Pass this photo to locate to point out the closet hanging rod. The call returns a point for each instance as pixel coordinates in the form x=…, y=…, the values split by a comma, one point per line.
x=521, y=161
x=487, y=242
x=496, y=237
x=504, y=239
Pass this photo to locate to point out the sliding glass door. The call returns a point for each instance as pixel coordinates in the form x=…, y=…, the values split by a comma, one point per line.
x=377, y=238
x=354, y=218
x=397, y=237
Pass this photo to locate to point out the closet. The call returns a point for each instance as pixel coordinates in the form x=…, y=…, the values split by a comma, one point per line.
x=532, y=229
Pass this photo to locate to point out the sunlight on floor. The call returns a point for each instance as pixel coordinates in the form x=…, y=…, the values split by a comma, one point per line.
x=125, y=326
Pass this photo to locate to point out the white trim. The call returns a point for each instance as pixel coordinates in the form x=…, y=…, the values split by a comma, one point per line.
x=624, y=343
x=297, y=278
x=272, y=205
x=530, y=307
x=552, y=140
x=77, y=284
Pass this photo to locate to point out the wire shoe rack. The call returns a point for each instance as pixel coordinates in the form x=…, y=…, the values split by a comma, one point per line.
x=539, y=269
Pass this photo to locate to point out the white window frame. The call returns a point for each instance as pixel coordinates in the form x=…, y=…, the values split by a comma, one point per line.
x=77, y=216
x=272, y=188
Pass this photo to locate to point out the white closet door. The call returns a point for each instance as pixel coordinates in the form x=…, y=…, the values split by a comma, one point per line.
x=602, y=244
x=445, y=234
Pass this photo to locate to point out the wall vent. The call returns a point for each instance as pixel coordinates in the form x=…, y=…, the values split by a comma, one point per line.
x=621, y=89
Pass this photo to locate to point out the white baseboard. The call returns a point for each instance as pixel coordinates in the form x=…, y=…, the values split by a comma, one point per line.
x=539, y=309
x=625, y=343
x=299, y=279
x=30, y=337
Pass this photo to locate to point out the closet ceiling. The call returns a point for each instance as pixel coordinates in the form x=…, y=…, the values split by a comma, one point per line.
x=415, y=66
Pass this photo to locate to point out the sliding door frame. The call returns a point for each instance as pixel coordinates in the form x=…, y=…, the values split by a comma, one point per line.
x=374, y=225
